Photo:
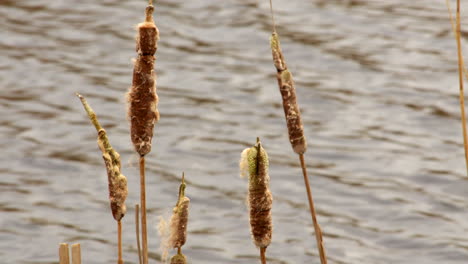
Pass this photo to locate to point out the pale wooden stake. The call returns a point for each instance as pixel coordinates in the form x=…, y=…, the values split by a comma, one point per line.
x=64, y=254
x=76, y=253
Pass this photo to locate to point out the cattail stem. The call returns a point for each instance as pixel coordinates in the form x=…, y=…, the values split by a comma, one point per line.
x=144, y=232
x=454, y=30
x=119, y=239
x=262, y=255
x=460, y=79
x=318, y=230
x=137, y=231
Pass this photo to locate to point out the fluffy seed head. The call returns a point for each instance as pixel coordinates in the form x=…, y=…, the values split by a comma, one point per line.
x=292, y=112
x=117, y=182
x=260, y=198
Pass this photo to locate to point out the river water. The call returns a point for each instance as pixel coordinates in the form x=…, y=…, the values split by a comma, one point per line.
x=376, y=81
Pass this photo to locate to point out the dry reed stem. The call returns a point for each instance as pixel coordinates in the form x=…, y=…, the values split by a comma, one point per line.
x=460, y=79
x=144, y=230
x=179, y=219
x=137, y=231
x=119, y=242
x=456, y=30
x=142, y=97
x=117, y=182
x=76, y=254
x=262, y=255
x=318, y=230
x=294, y=124
x=64, y=257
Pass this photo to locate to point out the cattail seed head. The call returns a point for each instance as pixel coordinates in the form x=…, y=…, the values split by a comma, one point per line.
x=117, y=182
x=142, y=97
x=288, y=94
x=178, y=259
x=260, y=198
x=292, y=112
x=179, y=219
x=278, y=59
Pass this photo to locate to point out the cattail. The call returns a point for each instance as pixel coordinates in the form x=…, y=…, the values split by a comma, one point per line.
x=179, y=219
x=260, y=198
x=117, y=181
x=142, y=106
x=294, y=125
x=177, y=227
x=142, y=97
x=288, y=94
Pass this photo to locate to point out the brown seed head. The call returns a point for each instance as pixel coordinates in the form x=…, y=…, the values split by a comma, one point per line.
x=116, y=181
x=260, y=198
x=142, y=97
x=179, y=219
x=292, y=112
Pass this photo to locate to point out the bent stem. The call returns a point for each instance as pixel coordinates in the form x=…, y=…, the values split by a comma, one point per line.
x=144, y=232
x=318, y=230
x=262, y=255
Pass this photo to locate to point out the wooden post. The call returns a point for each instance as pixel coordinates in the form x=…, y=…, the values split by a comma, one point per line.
x=76, y=253
x=64, y=254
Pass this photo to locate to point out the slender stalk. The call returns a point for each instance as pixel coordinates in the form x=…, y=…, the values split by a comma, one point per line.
x=137, y=231
x=460, y=79
x=454, y=30
x=119, y=239
x=144, y=232
x=294, y=125
x=262, y=255
x=76, y=254
x=313, y=214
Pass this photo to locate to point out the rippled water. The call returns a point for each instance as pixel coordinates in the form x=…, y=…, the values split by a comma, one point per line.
x=377, y=84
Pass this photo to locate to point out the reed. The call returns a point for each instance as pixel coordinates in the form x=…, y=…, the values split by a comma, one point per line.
x=137, y=231
x=461, y=68
x=254, y=160
x=142, y=105
x=294, y=125
x=117, y=182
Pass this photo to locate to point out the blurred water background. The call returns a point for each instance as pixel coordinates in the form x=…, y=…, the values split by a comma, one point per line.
x=376, y=82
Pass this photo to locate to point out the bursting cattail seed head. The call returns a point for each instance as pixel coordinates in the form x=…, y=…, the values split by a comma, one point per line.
x=117, y=181
x=288, y=94
x=260, y=198
x=142, y=97
x=179, y=219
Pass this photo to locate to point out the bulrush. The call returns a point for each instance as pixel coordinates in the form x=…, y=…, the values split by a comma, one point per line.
x=178, y=224
x=254, y=160
x=117, y=181
x=142, y=105
x=294, y=125
x=142, y=97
